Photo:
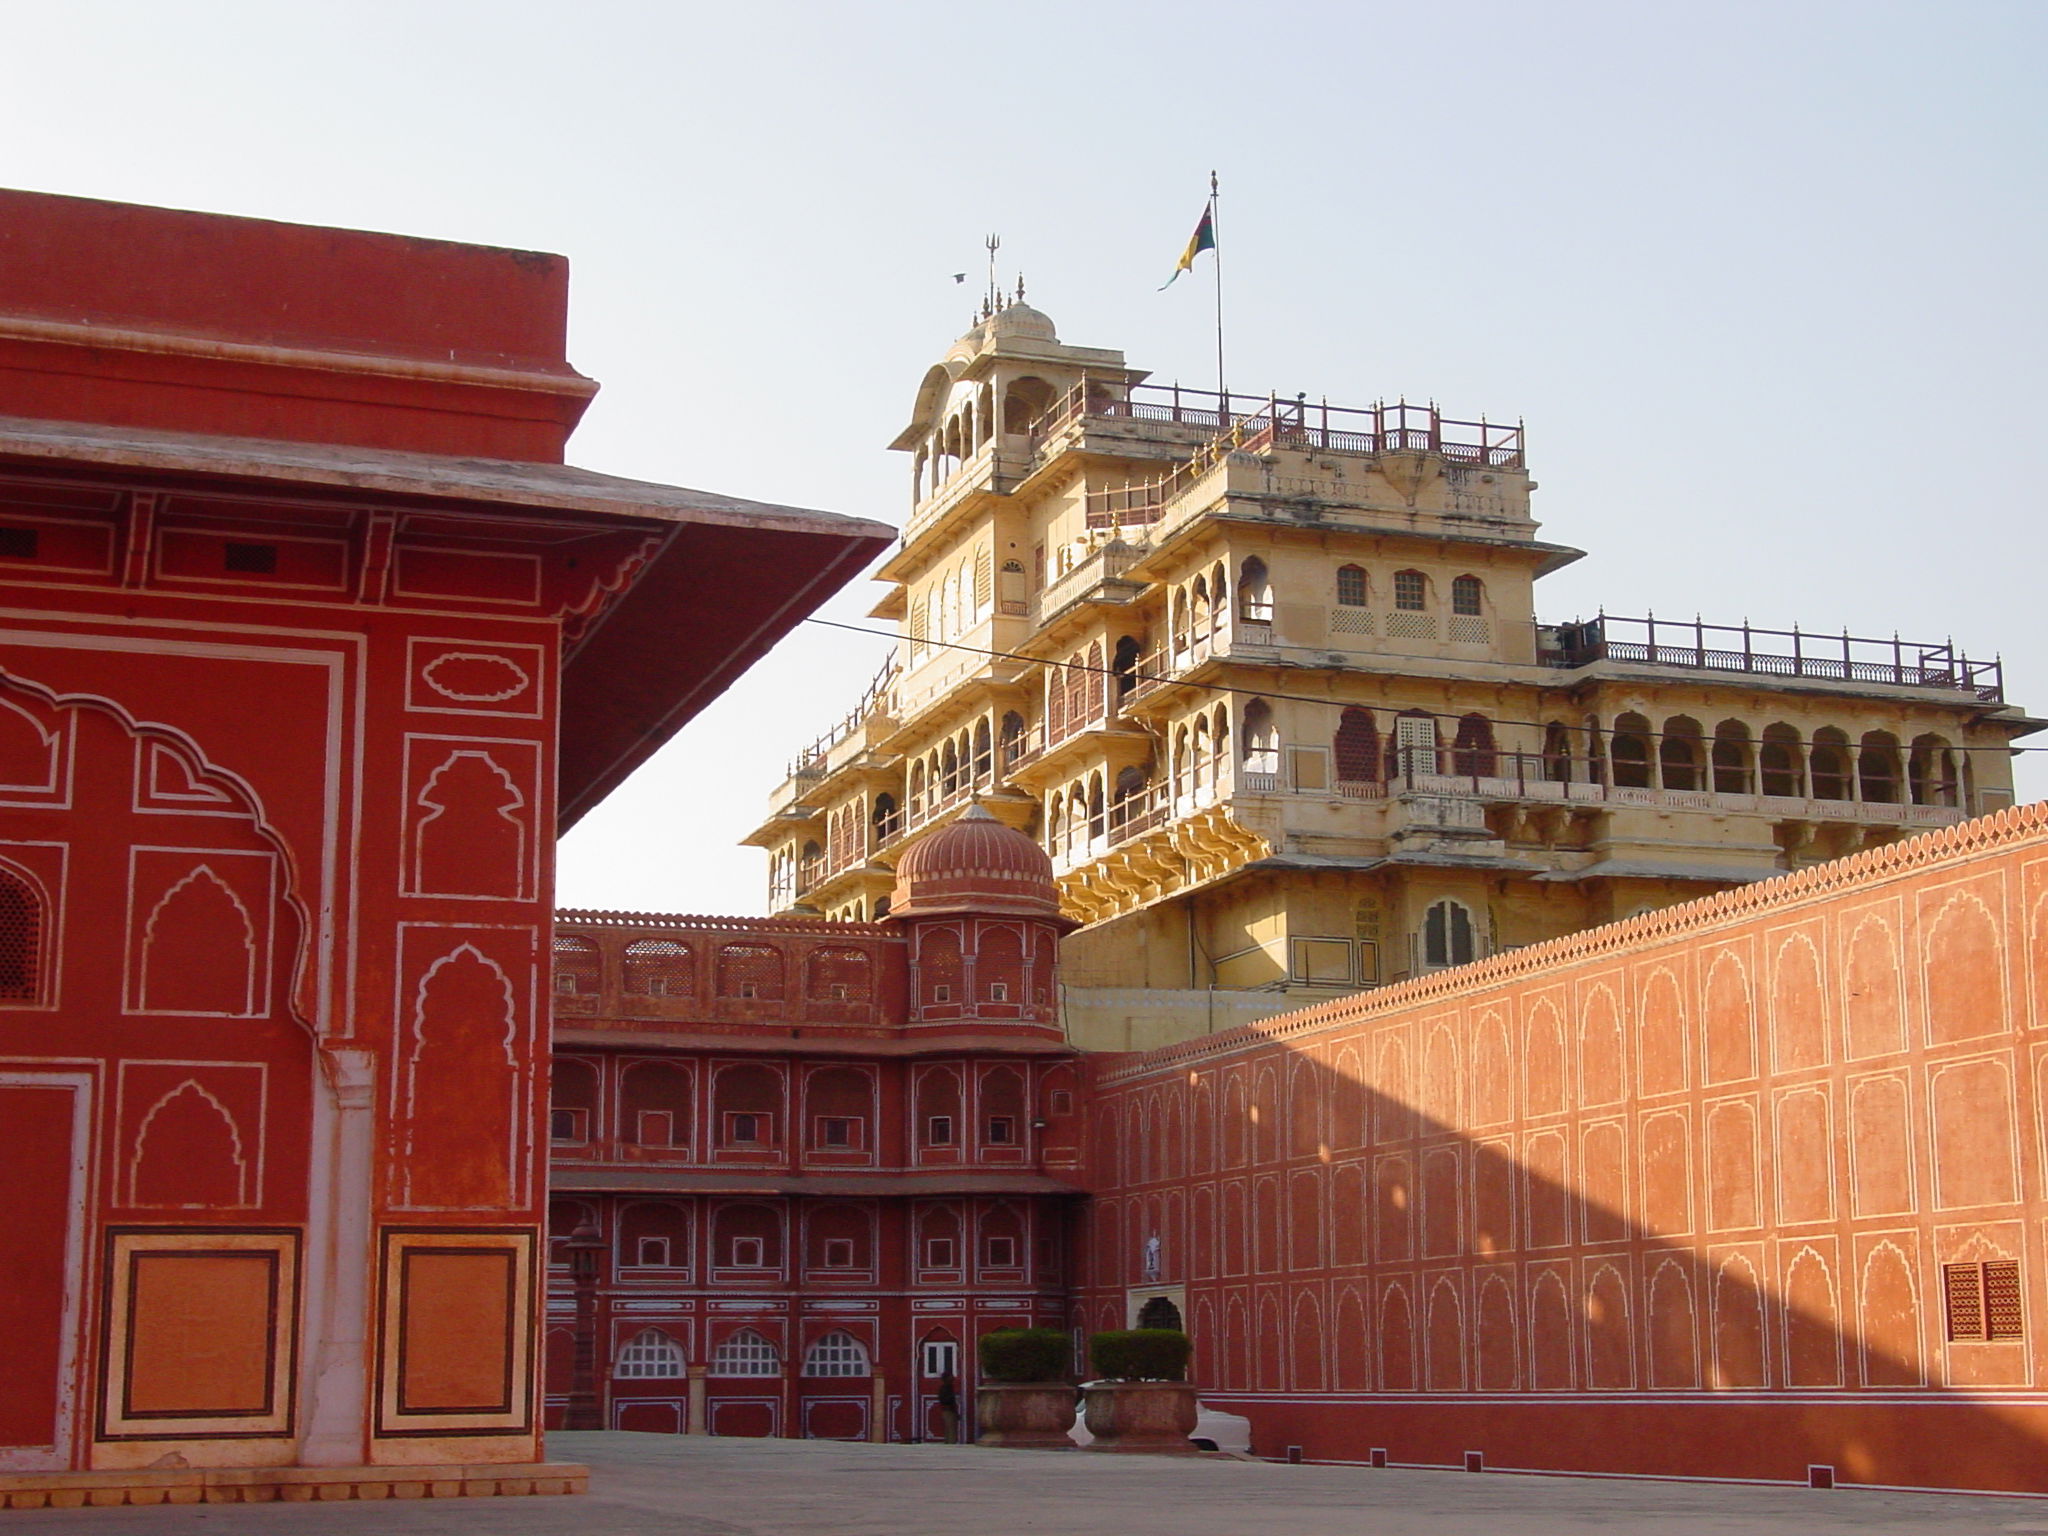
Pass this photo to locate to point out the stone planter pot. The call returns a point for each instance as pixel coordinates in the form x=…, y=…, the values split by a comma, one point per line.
x=1156, y=1416
x=1025, y=1415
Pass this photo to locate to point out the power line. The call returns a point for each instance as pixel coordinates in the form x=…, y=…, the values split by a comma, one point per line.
x=1305, y=698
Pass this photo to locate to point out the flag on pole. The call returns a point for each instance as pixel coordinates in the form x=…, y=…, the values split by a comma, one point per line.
x=1203, y=239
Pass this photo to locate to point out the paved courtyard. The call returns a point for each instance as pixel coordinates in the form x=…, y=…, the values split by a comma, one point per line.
x=642, y=1485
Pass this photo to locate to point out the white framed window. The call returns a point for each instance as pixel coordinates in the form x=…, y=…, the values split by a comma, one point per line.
x=1002, y=1130
x=839, y=1253
x=651, y=1253
x=999, y=991
x=1001, y=1253
x=749, y=1253
x=835, y=1131
x=1062, y=1102
x=838, y=1353
x=938, y=1130
x=939, y=1253
x=746, y=1353
x=745, y=1130
x=655, y=1128
x=650, y=1352
x=941, y=993
x=570, y=1125
x=940, y=1357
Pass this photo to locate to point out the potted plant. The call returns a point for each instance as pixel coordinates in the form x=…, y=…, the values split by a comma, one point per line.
x=1026, y=1396
x=1142, y=1401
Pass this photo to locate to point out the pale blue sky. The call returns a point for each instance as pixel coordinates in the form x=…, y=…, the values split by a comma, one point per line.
x=1764, y=280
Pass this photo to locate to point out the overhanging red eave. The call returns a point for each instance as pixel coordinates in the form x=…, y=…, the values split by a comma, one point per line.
x=640, y=676
x=731, y=578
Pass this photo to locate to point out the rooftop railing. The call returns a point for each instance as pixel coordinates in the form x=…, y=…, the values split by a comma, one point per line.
x=1770, y=652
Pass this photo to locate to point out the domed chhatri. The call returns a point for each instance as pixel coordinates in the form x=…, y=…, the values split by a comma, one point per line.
x=975, y=864
x=1020, y=319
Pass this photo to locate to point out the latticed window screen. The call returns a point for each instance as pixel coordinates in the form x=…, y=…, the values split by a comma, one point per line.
x=984, y=585
x=838, y=1353
x=750, y=970
x=1410, y=591
x=1351, y=586
x=21, y=940
x=650, y=1352
x=1466, y=596
x=839, y=975
x=576, y=966
x=1983, y=1300
x=659, y=968
x=746, y=1353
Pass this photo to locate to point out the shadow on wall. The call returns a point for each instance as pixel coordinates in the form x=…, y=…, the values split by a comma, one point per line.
x=1734, y=1191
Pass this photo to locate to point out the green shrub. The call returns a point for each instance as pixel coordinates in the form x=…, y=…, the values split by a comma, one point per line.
x=1024, y=1355
x=1140, y=1354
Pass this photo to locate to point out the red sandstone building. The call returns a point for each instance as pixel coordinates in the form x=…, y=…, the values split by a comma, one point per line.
x=313, y=643
x=822, y=1158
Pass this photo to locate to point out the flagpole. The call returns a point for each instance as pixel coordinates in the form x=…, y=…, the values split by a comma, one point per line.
x=1216, y=233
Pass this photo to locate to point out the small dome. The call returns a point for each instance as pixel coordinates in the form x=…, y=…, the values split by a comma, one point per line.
x=1021, y=319
x=975, y=864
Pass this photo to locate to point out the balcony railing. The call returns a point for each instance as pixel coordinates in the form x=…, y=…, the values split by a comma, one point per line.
x=1770, y=652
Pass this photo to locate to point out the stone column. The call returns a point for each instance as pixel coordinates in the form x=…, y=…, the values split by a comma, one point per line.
x=696, y=1418
x=339, y=1260
x=878, y=1409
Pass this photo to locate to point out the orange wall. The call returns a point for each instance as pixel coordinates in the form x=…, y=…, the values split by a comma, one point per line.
x=1679, y=1196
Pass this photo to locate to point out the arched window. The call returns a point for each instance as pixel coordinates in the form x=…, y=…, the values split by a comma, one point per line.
x=1357, y=747
x=1629, y=751
x=835, y=975
x=1468, y=596
x=1261, y=738
x=21, y=940
x=1351, y=586
x=1013, y=739
x=1178, y=626
x=1557, y=753
x=1472, y=754
x=1024, y=402
x=750, y=970
x=838, y=1353
x=1928, y=768
x=1097, y=811
x=1254, y=593
x=949, y=769
x=576, y=966
x=1447, y=934
x=649, y=1353
x=1411, y=591
x=885, y=820
x=984, y=756
x=746, y=1353
x=1219, y=597
x=659, y=968
x=1828, y=762
x=1778, y=763
x=1728, y=759
x=1198, y=605
x=1877, y=768
x=1680, y=754
x=1124, y=663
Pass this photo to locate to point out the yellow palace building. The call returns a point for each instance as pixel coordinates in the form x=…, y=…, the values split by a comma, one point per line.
x=1266, y=677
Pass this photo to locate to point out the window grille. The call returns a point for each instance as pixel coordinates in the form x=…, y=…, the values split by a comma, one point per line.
x=650, y=1352
x=21, y=939
x=839, y=975
x=1467, y=596
x=1411, y=626
x=750, y=970
x=576, y=963
x=1351, y=592
x=1411, y=591
x=1983, y=1300
x=746, y=1353
x=659, y=968
x=838, y=1353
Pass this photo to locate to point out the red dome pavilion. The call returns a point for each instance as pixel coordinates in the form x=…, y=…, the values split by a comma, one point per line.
x=975, y=864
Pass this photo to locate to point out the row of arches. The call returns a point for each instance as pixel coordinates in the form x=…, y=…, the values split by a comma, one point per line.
x=1412, y=591
x=1875, y=768
x=671, y=968
x=972, y=423
x=952, y=604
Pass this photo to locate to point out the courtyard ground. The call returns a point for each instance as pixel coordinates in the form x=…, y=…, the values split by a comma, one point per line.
x=669, y=1485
